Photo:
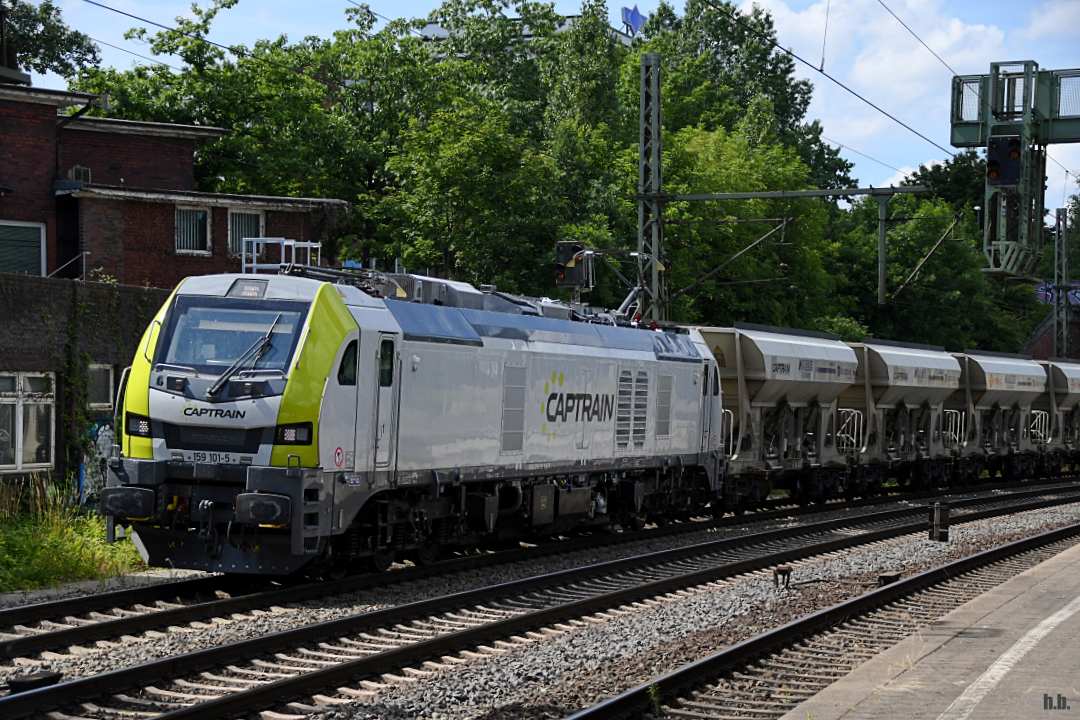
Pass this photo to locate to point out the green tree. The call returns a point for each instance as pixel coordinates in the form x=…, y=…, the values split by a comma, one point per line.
x=475, y=198
x=951, y=302
x=780, y=281
x=41, y=41
x=959, y=181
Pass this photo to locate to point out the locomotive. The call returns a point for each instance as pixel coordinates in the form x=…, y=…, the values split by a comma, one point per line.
x=308, y=421
x=269, y=422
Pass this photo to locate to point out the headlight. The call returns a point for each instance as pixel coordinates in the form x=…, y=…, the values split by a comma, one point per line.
x=294, y=434
x=138, y=425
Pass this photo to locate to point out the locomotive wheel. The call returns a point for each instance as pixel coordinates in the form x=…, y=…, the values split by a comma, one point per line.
x=427, y=554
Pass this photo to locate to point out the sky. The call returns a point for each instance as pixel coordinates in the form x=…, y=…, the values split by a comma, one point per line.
x=865, y=48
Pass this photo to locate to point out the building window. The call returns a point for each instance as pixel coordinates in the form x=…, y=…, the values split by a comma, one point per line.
x=79, y=173
x=22, y=247
x=244, y=225
x=193, y=230
x=27, y=415
x=99, y=389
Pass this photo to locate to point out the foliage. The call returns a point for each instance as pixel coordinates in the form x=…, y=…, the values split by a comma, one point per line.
x=968, y=308
x=45, y=540
x=479, y=202
x=42, y=42
x=958, y=181
x=471, y=155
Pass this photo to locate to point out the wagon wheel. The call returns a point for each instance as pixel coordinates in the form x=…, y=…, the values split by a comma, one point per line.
x=428, y=553
x=382, y=559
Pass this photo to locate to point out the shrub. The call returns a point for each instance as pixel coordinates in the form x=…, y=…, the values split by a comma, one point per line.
x=46, y=540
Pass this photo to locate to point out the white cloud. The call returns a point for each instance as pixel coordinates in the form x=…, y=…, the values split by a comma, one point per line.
x=872, y=53
x=1058, y=187
x=905, y=170
x=1058, y=17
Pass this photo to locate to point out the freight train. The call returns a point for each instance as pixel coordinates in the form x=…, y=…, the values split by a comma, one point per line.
x=306, y=422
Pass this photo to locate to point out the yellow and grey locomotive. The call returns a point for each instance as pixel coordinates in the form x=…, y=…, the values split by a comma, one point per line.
x=275, y=422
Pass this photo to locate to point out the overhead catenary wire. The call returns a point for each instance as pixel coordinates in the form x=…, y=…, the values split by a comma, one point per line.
x=860, y=152
x=952, y=70
x=132, y=52
x=768, y=38
x=916, y=36
x=825, y=33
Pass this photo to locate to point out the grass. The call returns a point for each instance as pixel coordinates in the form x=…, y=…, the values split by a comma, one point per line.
x=45, y=540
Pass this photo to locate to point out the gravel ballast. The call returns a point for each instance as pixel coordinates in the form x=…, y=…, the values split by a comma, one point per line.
x=595, y=660
x=106, y=656
x=153, y=576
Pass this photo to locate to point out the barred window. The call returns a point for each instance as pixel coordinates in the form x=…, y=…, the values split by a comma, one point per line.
x=22, y=248
x=193, y=230
x=243, y=225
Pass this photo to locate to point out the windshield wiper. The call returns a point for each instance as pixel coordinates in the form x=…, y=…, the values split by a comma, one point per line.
x=257, y=349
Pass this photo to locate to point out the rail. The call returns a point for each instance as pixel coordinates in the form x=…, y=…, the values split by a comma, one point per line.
x=653, y=693
x=667, y=571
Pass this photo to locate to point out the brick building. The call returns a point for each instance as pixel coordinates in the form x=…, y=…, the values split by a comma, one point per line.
x=80, y=194
x=123, y=192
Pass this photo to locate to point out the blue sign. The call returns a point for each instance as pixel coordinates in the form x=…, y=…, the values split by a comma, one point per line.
x=633, y=20
x=352, y=265
x=1045, y=293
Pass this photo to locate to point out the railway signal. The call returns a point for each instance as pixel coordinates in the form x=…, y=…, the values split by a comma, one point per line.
x=1015, y=112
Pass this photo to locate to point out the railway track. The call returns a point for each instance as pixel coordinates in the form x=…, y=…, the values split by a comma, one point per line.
x=29, y=630
x=766, y=676
x=340, y=661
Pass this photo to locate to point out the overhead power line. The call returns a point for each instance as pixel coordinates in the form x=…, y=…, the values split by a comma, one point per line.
x=841, y=84
x=118, y=11
x=384, y=18
x=916, y=36
x=131, y=52
x=859, y=152
x=242, y=52
x=953, y=71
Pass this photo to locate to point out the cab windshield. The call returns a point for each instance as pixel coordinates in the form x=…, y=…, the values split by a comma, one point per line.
x=208, y=334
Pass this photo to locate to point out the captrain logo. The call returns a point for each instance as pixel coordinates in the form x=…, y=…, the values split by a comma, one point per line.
x=580, y=406
x=192, y=411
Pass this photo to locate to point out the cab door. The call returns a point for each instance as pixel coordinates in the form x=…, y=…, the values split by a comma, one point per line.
x=338, y=419
x=386, y=394
x=706, y=410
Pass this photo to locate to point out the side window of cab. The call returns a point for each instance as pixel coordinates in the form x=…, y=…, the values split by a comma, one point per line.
x=346, y=374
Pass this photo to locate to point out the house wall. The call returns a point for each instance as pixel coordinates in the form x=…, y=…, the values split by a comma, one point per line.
x=1040, y=345
x=142, y=161
x=135, y=241
x=27, y=161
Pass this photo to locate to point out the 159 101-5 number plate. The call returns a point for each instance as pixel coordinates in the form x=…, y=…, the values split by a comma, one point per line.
x=207, y=456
